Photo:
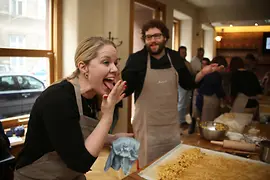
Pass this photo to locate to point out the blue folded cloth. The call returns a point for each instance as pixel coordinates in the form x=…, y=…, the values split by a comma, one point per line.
x=123, y=154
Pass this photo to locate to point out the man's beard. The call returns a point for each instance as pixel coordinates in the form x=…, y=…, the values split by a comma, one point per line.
x=161, y=46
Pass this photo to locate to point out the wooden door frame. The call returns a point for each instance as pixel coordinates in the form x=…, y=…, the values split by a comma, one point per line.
x=158, y=6
x=177, y=33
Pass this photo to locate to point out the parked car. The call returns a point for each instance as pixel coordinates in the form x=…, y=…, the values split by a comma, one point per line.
x=18, y=93
x=41, y=75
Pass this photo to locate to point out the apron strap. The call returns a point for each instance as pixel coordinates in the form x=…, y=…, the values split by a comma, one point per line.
x=76, y=85
x=148, y=60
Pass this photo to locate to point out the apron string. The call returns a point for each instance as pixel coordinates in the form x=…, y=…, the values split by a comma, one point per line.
x=76, y=85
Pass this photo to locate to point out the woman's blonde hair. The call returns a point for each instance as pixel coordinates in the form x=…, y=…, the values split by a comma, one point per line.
x=87, y=50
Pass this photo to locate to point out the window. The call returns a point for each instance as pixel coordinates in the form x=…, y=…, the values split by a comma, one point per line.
x=41, y=9
x=17, y=7
x=28, y=49
x=4, y=6
x=27, y=82
x=7, y=83
x=16, y=41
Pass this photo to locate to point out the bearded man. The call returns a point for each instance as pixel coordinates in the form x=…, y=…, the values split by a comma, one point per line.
x=154, y=73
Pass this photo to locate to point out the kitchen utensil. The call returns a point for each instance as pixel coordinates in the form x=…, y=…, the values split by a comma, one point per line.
x=265, y=151
x=236, y=145
x=213, y=131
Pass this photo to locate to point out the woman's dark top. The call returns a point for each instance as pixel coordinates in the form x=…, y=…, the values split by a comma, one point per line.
x=4, y=144
x=209, y=85
x=54, y=126
x=135, y=70
x=246, y=82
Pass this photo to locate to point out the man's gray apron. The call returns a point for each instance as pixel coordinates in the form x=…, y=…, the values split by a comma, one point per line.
x=155, y=122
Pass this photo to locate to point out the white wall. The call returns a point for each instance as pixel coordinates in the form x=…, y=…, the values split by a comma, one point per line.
x=140, y=17
x=191, y=11
x=86, y=18
x=70, y=35
x=186, y=36
x=209, y=43
x=123, y=32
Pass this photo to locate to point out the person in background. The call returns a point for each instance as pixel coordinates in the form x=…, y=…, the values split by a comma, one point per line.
x=64, y=139
x=7, y=161
x=183, y=95
x=4, y=136
x=265, y=83
x=205, y=62
x=196, y=62
x=251, y=62
x=154, y=73
x=211, y=93
x=245, y=87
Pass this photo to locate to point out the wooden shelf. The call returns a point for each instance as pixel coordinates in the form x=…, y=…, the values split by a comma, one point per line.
x=237, y=49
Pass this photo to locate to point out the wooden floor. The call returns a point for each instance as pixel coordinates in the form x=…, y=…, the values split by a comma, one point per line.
x=98, y=173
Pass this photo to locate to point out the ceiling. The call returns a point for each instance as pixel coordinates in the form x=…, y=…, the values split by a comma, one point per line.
x=265, y=22
x=217, y=3
x=227, y=4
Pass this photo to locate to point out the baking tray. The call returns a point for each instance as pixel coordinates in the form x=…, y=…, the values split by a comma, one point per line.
x=151, y=172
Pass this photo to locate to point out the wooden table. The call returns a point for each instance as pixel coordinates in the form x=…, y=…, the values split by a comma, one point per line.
x=195, y=140
x=16, y=147
x=264, y=100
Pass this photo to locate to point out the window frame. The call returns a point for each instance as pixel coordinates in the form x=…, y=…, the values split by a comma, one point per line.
x=176, y=34
x=16, y=13
x=54, y=55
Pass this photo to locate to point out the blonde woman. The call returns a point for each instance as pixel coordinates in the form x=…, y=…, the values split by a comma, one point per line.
x=64, y=138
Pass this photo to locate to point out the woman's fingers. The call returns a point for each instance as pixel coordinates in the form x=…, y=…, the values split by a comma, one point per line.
x=214, y=65
x=124, y=88
x=117, y=92
x=105, y=96
x=121, y=97
x=121, y=88
x=114, y=90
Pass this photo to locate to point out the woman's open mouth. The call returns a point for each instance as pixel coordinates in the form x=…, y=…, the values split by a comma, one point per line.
x=109, y=83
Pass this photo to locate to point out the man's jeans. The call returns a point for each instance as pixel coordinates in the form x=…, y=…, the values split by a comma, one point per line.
x=183, y=100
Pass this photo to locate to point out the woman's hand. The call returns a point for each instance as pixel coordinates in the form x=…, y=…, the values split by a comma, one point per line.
x=116, y=95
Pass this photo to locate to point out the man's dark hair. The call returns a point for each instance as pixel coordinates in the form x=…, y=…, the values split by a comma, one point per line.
x=236, y=63
x=155, y=23
x=220, y=60
x=207, y=60
x=182, y=47
x=200, y=49
x=250, y=56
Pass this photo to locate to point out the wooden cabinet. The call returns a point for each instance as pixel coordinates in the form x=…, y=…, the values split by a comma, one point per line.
x=240, y=44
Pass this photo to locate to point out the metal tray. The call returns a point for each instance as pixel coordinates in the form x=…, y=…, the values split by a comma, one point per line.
x=151, y=172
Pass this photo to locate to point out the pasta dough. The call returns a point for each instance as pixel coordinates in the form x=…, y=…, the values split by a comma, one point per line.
x=192, y=164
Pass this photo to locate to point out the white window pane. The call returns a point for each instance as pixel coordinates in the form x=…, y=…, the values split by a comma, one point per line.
x=4, y=6
x=22, y=80
x=28, y=18
x=37, y=67
x=19, y=8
